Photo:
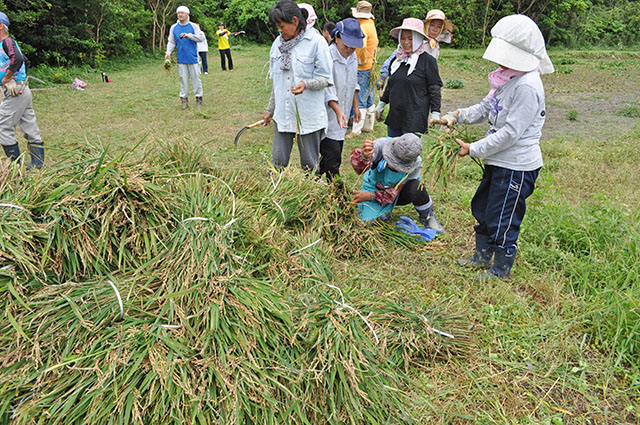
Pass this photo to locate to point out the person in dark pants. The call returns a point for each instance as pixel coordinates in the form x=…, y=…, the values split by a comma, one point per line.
x=342, y=96
x=515, y=109
x=203, y=48
x=392, y=177
x=414, y=88
x=223, y=45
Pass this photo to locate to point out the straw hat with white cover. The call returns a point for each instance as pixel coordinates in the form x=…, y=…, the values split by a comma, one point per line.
x=362, y=10
x=518, y=44
x=438, y=14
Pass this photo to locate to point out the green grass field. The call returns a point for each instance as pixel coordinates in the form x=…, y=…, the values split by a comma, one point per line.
x=559, y=343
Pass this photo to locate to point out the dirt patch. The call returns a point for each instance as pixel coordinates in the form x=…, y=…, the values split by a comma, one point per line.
x=595, y=87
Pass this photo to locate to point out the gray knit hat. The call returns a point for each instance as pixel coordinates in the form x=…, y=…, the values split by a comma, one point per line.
x=402, y=152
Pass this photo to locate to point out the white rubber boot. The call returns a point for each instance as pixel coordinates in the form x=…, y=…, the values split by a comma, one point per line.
x=369, y=119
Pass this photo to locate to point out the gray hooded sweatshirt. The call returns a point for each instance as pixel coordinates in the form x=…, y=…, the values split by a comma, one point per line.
x=516, y=115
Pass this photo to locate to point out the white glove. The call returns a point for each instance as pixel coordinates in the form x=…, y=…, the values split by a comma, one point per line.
x=12, y=88
x=379, y=110
x=450, y=118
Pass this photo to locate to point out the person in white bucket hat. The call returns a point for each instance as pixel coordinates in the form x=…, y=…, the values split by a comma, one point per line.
x=414, y=89
x=515, y=109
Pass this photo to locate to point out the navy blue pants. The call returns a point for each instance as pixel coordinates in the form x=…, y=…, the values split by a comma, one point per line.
x=499, y=203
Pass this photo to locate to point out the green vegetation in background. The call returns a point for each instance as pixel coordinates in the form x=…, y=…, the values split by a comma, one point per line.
x=73, y=32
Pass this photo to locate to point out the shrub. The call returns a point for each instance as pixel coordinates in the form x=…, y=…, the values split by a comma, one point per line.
x=572, y=115
x=454, y=84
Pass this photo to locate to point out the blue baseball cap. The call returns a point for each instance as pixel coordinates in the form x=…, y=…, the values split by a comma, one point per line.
x=4, y=19
x=350, y=32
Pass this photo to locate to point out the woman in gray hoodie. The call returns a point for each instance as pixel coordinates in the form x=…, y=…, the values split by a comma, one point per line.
x=515, y=109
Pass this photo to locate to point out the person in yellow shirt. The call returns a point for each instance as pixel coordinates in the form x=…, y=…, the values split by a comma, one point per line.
x=366, y=59
x=223, y=45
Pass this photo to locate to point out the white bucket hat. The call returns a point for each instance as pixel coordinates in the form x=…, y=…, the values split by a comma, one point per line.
x=518, y=44
x=362, y=10
x=311, y=20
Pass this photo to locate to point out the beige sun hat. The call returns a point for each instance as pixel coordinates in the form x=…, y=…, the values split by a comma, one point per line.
x=518, y=44
x=413, y=24
x=362, y=10
x=438, y=14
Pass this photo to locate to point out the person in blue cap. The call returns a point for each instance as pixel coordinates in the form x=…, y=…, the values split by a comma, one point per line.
x=16, y=107
x=342, y=96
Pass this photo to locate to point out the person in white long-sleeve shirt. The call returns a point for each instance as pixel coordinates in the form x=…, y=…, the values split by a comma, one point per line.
x=342, y=96
x=515, y=109
x=185, y=35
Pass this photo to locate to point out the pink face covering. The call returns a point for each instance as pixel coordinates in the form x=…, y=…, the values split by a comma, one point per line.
x=500, y=76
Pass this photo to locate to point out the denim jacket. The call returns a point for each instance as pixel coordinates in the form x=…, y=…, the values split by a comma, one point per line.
x=310, y=59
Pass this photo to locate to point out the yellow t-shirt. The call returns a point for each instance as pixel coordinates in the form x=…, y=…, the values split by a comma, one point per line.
x=366, y=55
x=223, y=39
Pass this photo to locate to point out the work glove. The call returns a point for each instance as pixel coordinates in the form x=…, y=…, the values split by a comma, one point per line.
x=379, y=111
x=380, y=82
x=450, y=119
x=409, y=227
x=434, y=119
x=11, y=88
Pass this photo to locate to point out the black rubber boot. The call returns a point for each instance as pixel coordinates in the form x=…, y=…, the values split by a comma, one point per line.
x=429, y=220
x=199, y=102
x=37, y=155
x=502, y=263
x=481, y=258
x=13, y=152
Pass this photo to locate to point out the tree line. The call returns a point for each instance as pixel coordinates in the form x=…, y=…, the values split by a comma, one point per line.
x=73, y=32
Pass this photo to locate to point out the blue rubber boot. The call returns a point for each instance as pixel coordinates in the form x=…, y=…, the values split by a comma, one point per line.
x=37, y=155
x=13, y=152
x=481, y=258
x=502, y=263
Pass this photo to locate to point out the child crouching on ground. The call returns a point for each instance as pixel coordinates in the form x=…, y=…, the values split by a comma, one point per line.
x=392, y=178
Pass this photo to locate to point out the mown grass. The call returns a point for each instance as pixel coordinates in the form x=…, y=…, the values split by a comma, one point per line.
x=559, y=343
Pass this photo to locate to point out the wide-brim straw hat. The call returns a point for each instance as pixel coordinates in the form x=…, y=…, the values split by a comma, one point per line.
x=438, y=14
x=518, y=44
x=402, y=152
x=362, y=10
x=412, y=24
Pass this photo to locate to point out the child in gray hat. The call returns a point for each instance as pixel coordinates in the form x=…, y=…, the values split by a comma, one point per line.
x=392, y=178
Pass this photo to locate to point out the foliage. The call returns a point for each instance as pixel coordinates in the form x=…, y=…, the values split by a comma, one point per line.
x=454, y=84
x=572, y=115
x=630, y=111
x=62, y=32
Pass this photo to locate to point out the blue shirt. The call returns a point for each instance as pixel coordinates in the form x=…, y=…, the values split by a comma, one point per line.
x=187, y=48
x=310, y=59
x=5, y=62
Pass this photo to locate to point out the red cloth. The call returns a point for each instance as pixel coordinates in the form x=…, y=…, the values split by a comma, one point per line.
x=358, y=162
x=387, y=195
x=384, y=195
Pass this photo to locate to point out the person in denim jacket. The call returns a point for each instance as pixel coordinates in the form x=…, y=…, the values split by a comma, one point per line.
x=515, y=109
x=300, y=67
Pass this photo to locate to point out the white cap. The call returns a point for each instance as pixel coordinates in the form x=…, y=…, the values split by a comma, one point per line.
x=184, y=9
x=311, y=20
x=518, y=44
